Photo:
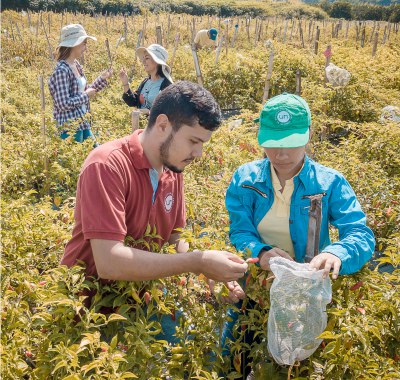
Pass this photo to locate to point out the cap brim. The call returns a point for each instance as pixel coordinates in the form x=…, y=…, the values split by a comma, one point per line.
x=283, y=139
x=76, y=41
x=213, y=38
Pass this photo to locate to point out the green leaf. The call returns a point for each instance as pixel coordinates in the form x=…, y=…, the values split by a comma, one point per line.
x=114, y=341
x=72, y=377
x=328, y=335
x=116, y=317
x=128, y=375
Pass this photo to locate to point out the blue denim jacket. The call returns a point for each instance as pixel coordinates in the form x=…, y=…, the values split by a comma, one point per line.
x=250, y=195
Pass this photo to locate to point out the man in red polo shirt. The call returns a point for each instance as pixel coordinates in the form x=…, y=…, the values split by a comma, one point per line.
x=130, y=183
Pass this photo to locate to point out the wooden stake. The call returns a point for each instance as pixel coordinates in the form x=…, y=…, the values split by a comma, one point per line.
x=159, y=35
x=43, y=103
x=197, y=66
x=248, y=29
x=384, y=36
x=48, y=43
x=373, y=32
x=12, y=31
x=291, y=30
x=143, y=37
x=135, y=116
x=62, y=21
x=260, y=28
x=298, y=82
x=138, y=42
x=19, y=32
x=317, y=33
x=29, y=19
x=301, y=34
x=235, y=34
x=193, y=28
x=108, y=52
x=125, y=31
x=269, y=74
x=226, y=37
x=219, y=49
x=168, y=30
x=363, y=36
x=174, y=51
x=285, y=31
x=375, y=44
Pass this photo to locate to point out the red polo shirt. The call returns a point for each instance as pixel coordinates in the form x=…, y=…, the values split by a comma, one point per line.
x=114, y=200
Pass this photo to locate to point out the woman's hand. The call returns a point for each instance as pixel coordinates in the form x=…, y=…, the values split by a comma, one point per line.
x=123, y=76
x=327, y=261
x=265, y=256
x=91, y=92
x=107, y=74
x=235, y=291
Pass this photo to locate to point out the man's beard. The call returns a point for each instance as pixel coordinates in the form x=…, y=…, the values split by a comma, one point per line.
x=164, y=154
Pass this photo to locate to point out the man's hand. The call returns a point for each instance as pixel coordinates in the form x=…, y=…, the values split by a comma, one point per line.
x=236, y=292
x=221, y=266
x=327, y=261
x=265, y=256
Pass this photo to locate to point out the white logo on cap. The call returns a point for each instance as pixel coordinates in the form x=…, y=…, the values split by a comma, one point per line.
x=283, y=117
x=168, y=202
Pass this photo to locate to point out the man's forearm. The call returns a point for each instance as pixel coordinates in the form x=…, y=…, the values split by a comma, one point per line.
x=114, y=261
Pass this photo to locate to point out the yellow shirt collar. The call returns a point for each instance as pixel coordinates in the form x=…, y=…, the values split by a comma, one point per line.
x=275, y=180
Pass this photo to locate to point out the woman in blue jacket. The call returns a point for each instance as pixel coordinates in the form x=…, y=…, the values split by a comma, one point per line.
x=269, y=200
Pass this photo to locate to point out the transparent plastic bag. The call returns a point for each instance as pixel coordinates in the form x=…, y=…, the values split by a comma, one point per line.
x=297, y=315
x=337, y=76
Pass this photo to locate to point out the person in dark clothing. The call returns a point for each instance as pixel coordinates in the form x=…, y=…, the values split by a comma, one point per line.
x=154, y=60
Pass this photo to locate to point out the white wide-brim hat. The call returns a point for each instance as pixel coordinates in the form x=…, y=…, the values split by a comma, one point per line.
x=73, y=35
x=159, y=55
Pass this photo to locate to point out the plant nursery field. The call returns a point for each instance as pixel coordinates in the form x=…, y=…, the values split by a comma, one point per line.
x=42, y=338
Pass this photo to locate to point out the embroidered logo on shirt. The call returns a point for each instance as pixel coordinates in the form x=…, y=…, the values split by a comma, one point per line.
x=168, y=202
x=283, y=117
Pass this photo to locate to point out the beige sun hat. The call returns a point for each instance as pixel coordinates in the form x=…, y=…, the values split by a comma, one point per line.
x=73, y=35
x=159, y=55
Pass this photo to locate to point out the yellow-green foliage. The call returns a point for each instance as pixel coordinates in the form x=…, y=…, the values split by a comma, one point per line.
x=42, y=336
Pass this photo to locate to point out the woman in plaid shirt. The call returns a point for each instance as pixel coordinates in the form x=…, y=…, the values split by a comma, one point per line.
x=68, y=85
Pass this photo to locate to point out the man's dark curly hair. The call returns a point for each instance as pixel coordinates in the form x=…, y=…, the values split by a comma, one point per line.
x=186, y=103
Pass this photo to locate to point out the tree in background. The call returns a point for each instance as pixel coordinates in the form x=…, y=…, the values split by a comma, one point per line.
x=341, y=9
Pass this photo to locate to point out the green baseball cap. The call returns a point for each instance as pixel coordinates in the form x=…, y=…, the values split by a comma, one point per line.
x=285, y=122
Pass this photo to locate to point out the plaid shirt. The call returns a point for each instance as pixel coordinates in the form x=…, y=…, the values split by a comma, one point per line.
x=68, y=100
